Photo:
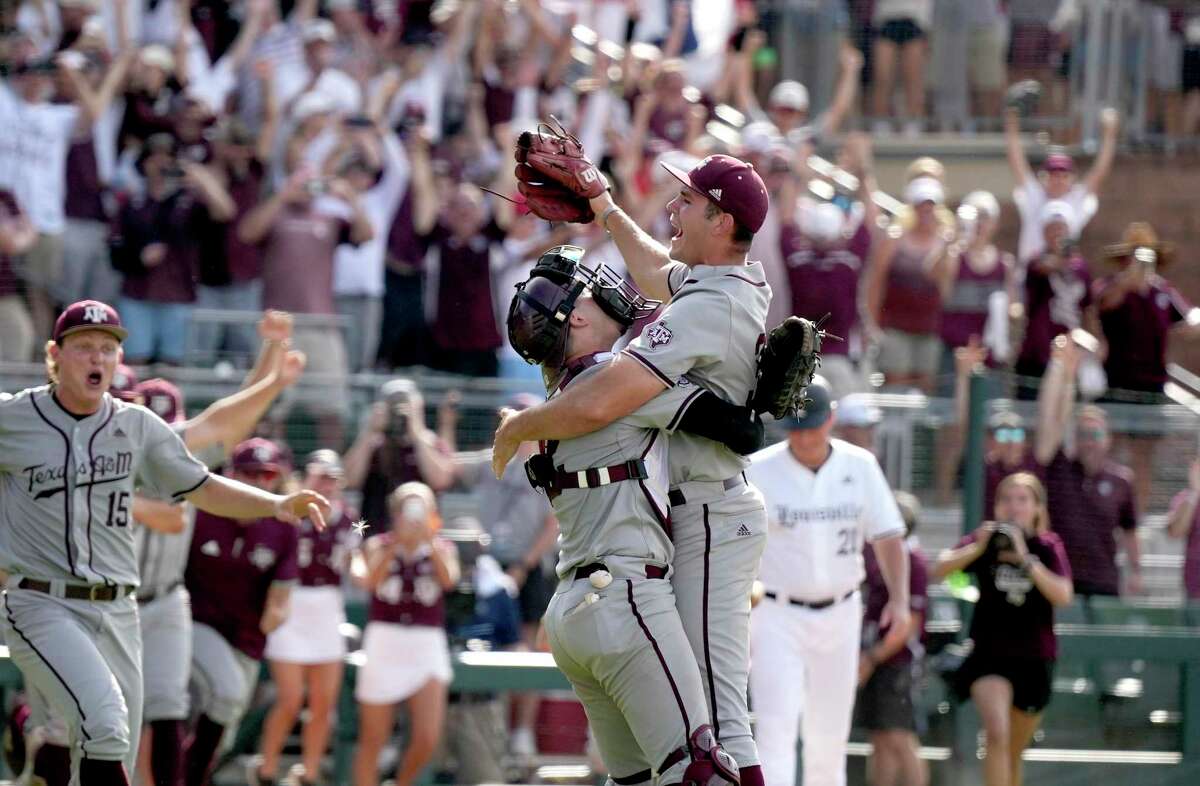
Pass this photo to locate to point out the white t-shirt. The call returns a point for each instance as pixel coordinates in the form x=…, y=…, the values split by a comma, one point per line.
x=818, y=521
x=358, y=270
x=34, y=140
x=1030, y=197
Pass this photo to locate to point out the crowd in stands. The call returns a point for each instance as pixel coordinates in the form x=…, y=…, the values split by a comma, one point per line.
x=343, y=160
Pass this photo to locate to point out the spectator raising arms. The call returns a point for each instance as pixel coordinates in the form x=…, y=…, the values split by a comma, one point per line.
x=1022, y=571
x=1056, y=182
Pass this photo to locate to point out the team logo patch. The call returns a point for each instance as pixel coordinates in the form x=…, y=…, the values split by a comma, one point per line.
x=94, y=314
x=659, y=335
x=160, y=405
x=426, y=590
x=211, y=549
x=262, y=453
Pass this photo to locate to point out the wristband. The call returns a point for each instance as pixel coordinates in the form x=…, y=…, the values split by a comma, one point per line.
x=608, y=211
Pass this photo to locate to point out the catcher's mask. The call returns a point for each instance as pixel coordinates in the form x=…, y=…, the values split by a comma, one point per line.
x=540, y=312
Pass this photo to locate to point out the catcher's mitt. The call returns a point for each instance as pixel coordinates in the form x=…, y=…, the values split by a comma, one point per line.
x=555, y=176
x=1023, y=96
x=786, y=365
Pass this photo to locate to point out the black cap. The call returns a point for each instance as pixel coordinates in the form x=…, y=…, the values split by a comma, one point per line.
x=819, y=404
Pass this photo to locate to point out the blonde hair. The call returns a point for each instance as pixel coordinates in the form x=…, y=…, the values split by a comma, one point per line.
x=1027, y=480
x=415, y=488
x=51, y=363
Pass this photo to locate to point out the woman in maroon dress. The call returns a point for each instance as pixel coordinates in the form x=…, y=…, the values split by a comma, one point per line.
x=407, y=570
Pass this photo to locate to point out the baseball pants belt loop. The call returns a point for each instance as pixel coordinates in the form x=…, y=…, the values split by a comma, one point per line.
x=815, y=605
x=150, y=597
x=704, y=490
x=652, y=571
x=93, y=592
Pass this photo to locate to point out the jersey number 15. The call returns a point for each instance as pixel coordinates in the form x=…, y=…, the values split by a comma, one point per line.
x=118, y=509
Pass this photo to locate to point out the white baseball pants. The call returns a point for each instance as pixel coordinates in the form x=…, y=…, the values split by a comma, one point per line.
x=803, y=678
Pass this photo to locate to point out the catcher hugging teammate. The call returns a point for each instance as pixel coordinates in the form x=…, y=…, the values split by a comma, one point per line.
x=611, y=625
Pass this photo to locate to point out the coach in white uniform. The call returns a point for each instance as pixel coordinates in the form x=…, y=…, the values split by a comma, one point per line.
x=824, y=498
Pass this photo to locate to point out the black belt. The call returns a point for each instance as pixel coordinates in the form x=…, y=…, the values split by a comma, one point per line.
x=652, y=571
x=105, y=592
x=816, y=604
x=150, y=597
x=677, y=498
x=542, y=474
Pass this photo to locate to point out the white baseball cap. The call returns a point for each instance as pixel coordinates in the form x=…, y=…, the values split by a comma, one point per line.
x=311, y=104
x=983, y=201
x=158, y=56
x=820, y=222
x=1058, y=210
x=761, y=137
x=789, y=94
x=855, y=409
x=924, y=189
x=318, y=30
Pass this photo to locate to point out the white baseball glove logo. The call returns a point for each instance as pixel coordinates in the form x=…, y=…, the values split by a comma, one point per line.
x=94, y=314
x=659, y=335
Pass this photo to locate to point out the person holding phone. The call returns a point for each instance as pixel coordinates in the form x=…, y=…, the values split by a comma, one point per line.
x=1023, y=575
x=408, y=571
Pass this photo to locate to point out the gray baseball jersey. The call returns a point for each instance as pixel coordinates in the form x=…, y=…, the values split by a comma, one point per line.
x=710, y=331
x=66, y=485
x=619, y=519
x=620, y=641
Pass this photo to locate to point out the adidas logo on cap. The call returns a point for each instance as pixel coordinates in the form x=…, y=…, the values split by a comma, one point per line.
x=715, y=192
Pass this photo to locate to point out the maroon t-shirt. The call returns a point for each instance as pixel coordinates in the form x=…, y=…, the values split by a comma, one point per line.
x=1012, y=618
x=965, y=311
x=1136, y=331
x=1191, y=551
x=825, y=281
x=404, y=247
x=321, y=555
x=1054, y=304
x=298, y=260
x=175, y=221
x=1085, y=511
x=876, y=596
x=394, y=462
x=669, y=124
x=84, y=189
x=466, y=320
x=146, y=115
x=411, y=594
x=231, y=567
x=8, y=279
x=226, y=259
x=911, y=301
x=994, y=472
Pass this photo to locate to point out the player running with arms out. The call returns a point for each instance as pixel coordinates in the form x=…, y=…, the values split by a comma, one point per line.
x=612, y=624
x=710, y=331
x=70, y=456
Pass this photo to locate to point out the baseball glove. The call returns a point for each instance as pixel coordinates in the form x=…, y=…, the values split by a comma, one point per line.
x=1023, y=96
x=555, y=176
x=786, y=365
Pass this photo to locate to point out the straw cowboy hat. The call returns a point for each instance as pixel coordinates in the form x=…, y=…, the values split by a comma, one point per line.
x=1140, y=234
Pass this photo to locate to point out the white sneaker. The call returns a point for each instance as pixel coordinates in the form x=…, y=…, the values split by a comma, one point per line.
x=522, y=742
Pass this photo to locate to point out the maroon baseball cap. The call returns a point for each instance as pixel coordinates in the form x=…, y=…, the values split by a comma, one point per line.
x=88, y=315
x=124, y=383
x=1058, y=162
x=729, y=183
x=162, y=398
x=259, y=453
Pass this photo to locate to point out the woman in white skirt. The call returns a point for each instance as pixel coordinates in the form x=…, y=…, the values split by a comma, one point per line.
x=407, y=570
x=306, y=652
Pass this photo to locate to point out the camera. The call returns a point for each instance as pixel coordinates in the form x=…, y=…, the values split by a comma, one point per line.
x=174, y=171
x=1000, y=540
x=1147, y=258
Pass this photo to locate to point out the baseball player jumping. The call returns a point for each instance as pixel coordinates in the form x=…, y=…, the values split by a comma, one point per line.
x=70, y=456
x=612, y=624
x=825, y=497
x=710, y=331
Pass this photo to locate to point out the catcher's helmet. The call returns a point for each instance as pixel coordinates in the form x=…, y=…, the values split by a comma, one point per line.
x=539, y=314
